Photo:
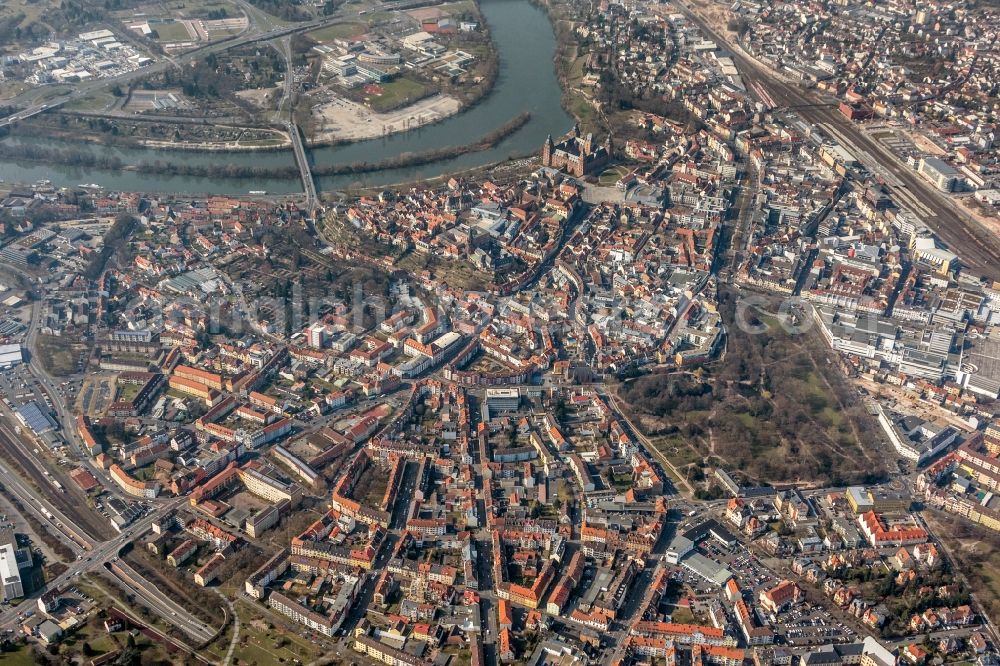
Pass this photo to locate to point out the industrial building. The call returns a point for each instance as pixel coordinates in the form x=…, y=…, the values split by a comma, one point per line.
x=10, y=355
x=13, y=558
x=943, y=175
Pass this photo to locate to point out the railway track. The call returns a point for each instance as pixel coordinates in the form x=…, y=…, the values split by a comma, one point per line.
x=977, y=247
x=19, y=458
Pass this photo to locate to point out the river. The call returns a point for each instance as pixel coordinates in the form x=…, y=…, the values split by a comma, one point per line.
x=526, y=81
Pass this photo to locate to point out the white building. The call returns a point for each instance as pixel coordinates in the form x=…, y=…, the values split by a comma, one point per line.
x=12, y=560
x=10, y=355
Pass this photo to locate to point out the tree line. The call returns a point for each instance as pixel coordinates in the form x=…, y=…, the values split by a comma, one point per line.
x=114, y=240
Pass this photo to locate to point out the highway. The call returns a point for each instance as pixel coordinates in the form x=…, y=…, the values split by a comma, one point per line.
x=159, y=603
x=80, y=532
x=96, y=557
x=81, y=91
x=977, y=247
x=274, y=31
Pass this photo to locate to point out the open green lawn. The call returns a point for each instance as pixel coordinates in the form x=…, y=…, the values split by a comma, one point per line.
x=460, y=7
x=172, y=32
x=576, y=70
x=682, y=615
x=582, y=110
x=20, y=657
x=611, y=176
x=128, y=391
x=379, y=17
x=11, y=89
x=31, y=11
x=680, y=453
x=56, y=354
x=96, y=102
x=100, y=642
x=338, y=31
x=259, y=644
x=51, y=92
x=396, y=93
x=202, y=8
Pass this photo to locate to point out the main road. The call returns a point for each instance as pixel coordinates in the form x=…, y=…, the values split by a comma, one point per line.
x=75, y=531
x=96, y=556
x=80, y=91
x=48, y=382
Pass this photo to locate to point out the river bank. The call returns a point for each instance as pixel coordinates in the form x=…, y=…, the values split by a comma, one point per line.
x=73, y=127
x=526, y=82
x=81, y=158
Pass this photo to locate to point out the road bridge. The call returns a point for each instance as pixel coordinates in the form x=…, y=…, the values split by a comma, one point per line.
x=305, y=172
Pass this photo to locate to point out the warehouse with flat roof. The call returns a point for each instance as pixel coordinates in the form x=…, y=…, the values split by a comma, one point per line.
x=10, y=355
x=32, y=416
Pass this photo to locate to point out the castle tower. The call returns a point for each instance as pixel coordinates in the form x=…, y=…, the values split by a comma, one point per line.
x=547, y=149
x=588, y=144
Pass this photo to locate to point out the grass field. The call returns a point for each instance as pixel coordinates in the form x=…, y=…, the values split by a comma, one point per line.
x=460, y=7
x=96, y=102
x=682, y=615
x=23, y=656
x=262, y=643
x=582, y=110
x=32, y=11
x=379, y=17
x=575, y=97
x=201, y=8
x=172, y=32
x=56, y=354
x=611, y=176
x=51, y=92
x=338, y=31
x=395, y=94
x=11, y=89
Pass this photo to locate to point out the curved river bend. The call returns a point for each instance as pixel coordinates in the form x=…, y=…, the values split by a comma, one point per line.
x=525, y=43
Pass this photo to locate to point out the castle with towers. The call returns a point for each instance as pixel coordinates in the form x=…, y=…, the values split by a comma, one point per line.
x=576, y=154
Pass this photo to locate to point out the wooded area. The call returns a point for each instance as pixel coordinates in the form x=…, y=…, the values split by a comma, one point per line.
x=775, y=408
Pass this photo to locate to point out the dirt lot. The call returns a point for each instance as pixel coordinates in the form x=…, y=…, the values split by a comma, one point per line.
x=717, y=16
x=984, y=216
x=259, y=97
x=343, y=119
x=977, y=550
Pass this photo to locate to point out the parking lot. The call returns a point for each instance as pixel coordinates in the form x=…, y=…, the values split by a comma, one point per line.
x=805, y=625
x=801, y=625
